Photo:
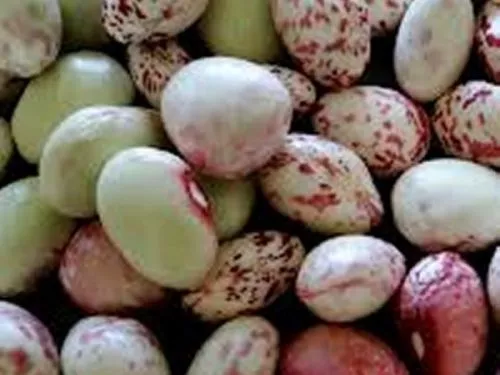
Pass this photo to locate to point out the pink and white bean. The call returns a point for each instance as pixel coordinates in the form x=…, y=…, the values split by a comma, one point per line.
x=386, y=129
x=336, y=349
x=466, y=122
x=131, y=21
x=243, y=346
x=386, y=15
x=109, y=345
x=227, y=116
x=26, y=345
x=301, y=89
x=442, y=315
x=97, y=277
x=488, y=39
x=349, y=277
x=430, y=55
x=250, y=273
x=152, y=64
x=329, y=39
x=323, y=185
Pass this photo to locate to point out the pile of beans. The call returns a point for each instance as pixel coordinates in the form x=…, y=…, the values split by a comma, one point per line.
x=235, y=187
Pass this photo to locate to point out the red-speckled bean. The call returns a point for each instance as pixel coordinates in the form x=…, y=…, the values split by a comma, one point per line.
x=137, y=20
x=329, y=39
x=323, y=185
x=26, y=345
x=488, y=39
x=385, y=15
x=250, y=273
x=466, y=122
x=152, y=64
x=385, y=128
x=301, y=89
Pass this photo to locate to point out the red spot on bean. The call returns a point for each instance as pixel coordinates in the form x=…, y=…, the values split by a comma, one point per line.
x=493, y=40
x=320, y=202
x=20, y=360
x=124, y=7
x=480, y=94
x=197, y=199
x=305, y=168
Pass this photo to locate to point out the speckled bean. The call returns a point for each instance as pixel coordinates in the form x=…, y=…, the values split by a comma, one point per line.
x=466, y=122
x=250, y=273
x=323, y=185
x=329, y=39
x=381, y=125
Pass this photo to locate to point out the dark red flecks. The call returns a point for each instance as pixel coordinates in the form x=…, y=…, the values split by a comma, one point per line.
x=321, y=17
x=392, y=4
x=305, y=168
x=396, y=140
x=253, y=281
x=385, y=109
x=32, y=329
x=124, y=7
x=168, y=13
x=480, y=150
x=329, y=166
x=481, y=119
x=344, y=22
x=480, y=94
x=339, y=44
x=281, y=159
x=455, y=132
x=139, y=12
x=351, y=117
x=493, y=40
x=307, y=48
x=319, y=202
x=262, y=239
